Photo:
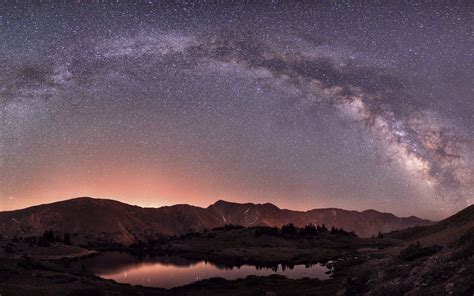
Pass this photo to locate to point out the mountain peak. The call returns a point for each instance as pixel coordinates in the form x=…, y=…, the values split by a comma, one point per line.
x=222, y=202
x=90, y=200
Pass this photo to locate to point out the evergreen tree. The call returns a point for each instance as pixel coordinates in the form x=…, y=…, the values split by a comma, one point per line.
x=67, y=238
x=289, y=229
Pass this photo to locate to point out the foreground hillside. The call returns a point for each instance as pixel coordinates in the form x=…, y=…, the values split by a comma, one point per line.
x=443, y=232
x=436, y=260
x=108, y=221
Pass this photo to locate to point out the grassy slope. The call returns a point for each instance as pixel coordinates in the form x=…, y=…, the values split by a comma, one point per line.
x=443, y=232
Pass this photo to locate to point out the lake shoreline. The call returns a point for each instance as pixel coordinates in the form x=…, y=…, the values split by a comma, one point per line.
x=175, y=271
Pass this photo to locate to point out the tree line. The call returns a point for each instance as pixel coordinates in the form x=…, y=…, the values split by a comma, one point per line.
x=290, y=230
x=47, y=238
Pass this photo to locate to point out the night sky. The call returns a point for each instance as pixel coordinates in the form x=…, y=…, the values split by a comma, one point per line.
x=305, y=105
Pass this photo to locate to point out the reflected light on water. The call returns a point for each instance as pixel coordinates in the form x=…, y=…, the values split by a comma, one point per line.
x=168, y=275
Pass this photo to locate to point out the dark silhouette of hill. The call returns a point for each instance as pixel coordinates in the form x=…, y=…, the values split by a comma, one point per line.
x=109, y=221
x=443, y=232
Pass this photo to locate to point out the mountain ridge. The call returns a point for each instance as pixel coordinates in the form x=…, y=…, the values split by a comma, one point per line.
x=442, y=232
x=108, y=220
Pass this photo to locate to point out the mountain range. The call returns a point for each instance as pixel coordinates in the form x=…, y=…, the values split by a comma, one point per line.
x=109, y=221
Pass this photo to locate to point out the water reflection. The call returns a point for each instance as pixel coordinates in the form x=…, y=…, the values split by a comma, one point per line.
x=169, y=272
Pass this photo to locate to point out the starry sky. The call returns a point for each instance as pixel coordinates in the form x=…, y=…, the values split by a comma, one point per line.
x=302, y=104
